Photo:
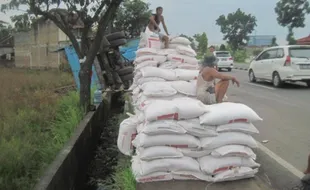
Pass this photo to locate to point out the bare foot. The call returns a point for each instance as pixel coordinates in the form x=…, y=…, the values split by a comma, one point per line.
x=306, y=172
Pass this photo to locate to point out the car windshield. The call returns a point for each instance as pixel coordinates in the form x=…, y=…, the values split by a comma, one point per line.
x=222, y=54
x=300, y=52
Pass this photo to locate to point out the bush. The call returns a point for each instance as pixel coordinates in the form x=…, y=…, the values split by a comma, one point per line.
x=256, y=52
x=240, y=56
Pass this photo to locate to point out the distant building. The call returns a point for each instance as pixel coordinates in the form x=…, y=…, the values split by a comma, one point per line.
x=303, y=41
x=35, y=48
x=260, y=40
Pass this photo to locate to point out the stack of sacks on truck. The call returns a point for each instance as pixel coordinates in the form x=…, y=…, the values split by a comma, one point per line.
x=170, y=135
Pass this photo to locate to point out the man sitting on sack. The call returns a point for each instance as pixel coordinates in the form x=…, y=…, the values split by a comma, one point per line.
x=153, y=25
x=209, y=92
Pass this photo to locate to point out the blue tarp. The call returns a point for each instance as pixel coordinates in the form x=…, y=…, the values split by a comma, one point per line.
x=129, y=50
x=75, y=67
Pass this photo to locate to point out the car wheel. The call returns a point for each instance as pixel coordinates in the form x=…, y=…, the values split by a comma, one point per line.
x=119, y=42
x=252, y=77
x=229, y=69
x=276, y=80
x=219, y=69
x=115, y=36
x=308, y=83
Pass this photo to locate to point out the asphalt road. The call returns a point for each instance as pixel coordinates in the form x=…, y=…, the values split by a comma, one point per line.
x=286, y=114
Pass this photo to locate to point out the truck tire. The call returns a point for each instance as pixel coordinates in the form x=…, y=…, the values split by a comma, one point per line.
x=118, y=42
x=127, y=77
x=124, y=71
x=115, y=36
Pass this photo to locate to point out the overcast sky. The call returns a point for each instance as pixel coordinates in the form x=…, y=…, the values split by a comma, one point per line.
x=197, y=16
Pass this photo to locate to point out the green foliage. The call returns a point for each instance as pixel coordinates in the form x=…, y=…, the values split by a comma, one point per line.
x=32, y=145
x=274, y=42
x=132, y=17
x=240, y=56
x=222, y=47
x=236, y=27
x=202, y=40
x=292, y=14
x=257, y=52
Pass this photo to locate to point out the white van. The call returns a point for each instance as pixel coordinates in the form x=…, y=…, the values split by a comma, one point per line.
x=281, y=64
x=225, y=60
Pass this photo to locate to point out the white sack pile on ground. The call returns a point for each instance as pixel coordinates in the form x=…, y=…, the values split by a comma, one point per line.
x=172, y=134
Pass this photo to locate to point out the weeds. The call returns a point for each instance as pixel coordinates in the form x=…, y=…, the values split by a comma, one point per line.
x=35, y=123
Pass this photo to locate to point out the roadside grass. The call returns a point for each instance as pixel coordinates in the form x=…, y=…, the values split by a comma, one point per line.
x=35, y=123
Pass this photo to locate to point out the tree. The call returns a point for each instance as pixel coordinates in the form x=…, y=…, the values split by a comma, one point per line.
x=236, y=27
x=202, y=40
x=274, y=42
x=132, y=17
x=22, y=22
x=291, y=14
x=222, y=47
x=89, y=12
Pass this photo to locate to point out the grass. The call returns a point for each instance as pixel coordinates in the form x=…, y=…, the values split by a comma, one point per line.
x=35, y=123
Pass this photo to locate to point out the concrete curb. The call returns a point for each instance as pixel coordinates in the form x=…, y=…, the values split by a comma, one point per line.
x=241, y=68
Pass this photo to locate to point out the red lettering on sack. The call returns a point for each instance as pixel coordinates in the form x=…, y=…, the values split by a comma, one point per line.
x=149, y=179
x=174, y=116
x=222, y=169
x=241, y=120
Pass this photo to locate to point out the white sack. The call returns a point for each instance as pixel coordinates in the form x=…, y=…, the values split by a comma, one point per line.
x=188, y=51
x=193, y=127
x=158, y=72
x=143, y=80
x=158, y=152
x=178, y=141
x=233, y=150
x=184, y=74
x=187, y=66
x=182, y=59
x=180, y=40
x=189, y=175
x=142, y=168
x=154, y=42
x=158, y=89
x=189, y=108
x=159, y=58
x=146, y=51
x=235, y=174
x=160, y=110
x=142, y=98
x=169, y=65
x=162, y=127
x=153, y=177
x=194, y=152
x=174, y=46
x=211, y=165
x=247, y=128
x=127, y=132
x=146, y=64
x=228, y=112
x=184, y=87
x=167, y=51
x=228, y=138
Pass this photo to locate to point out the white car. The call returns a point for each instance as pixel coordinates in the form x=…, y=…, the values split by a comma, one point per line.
x=225, y=60
x=282, y=64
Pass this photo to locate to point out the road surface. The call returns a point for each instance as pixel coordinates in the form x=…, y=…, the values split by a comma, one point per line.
x=286, y=114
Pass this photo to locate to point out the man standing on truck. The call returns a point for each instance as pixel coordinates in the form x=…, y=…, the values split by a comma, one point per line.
x=154, y=23
x=209, y=92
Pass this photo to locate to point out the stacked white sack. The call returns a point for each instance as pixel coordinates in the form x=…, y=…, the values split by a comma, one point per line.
x=170, y=136
x=231, y=155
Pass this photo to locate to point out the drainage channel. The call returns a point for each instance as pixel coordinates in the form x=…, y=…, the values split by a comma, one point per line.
x=105, y=157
